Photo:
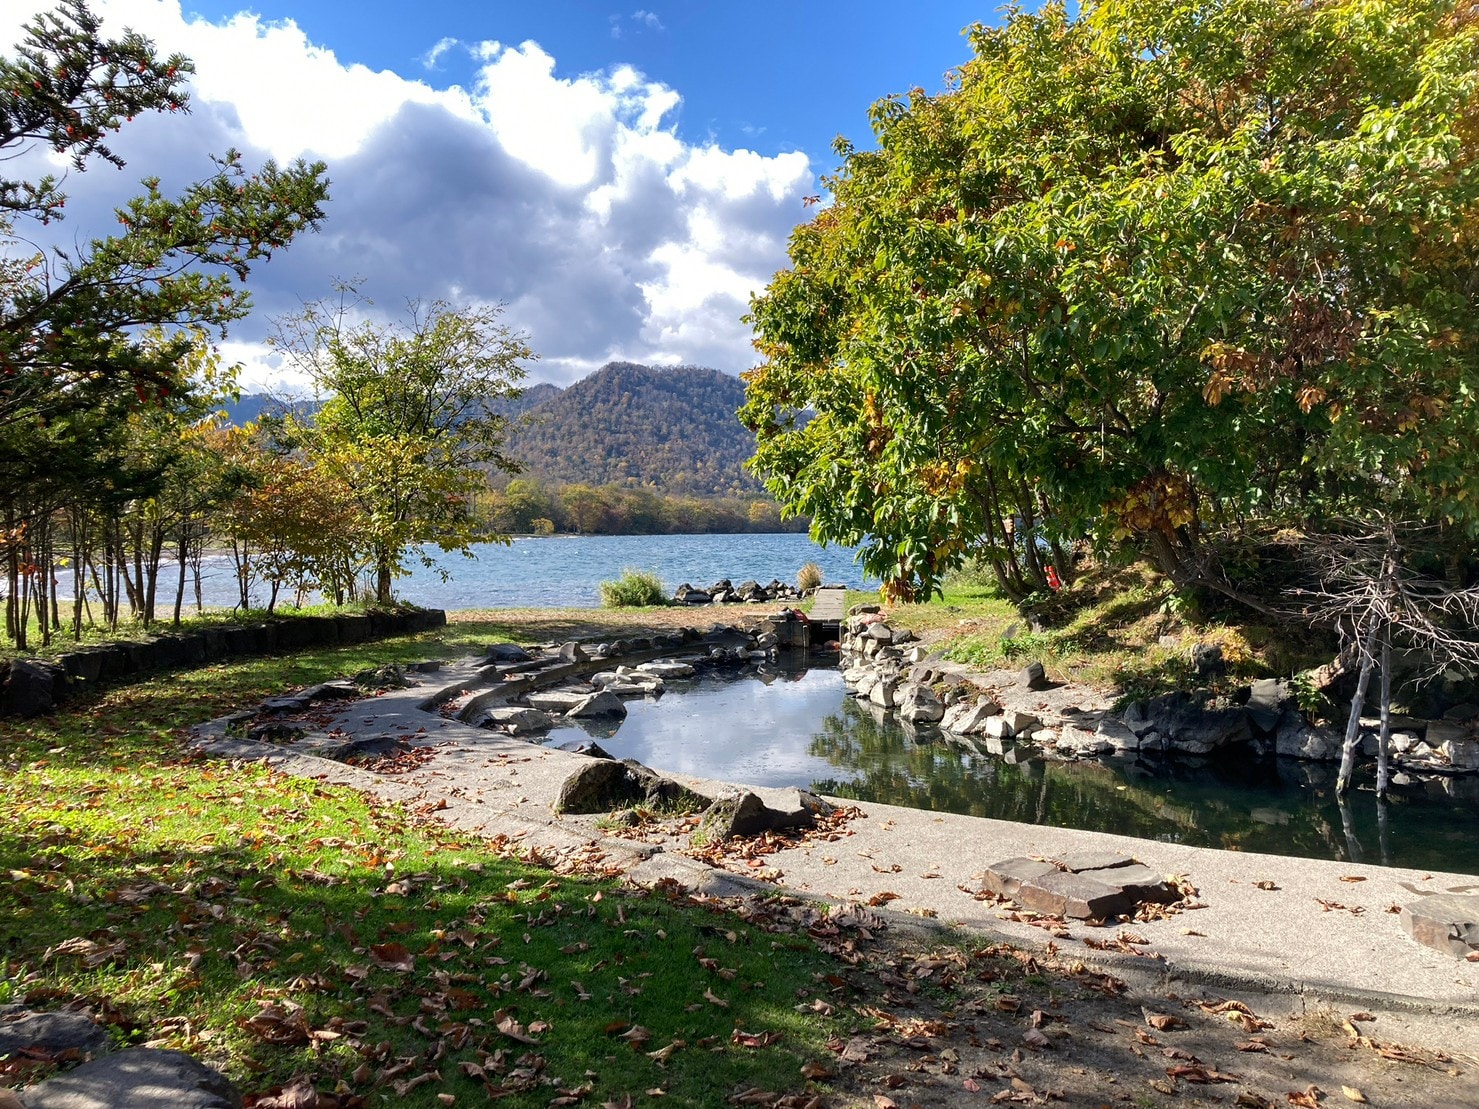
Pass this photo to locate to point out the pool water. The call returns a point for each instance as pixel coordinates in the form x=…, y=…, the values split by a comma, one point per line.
x=800, y=727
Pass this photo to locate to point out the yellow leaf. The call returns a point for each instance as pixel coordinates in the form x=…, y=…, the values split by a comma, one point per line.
x=1353, y=1094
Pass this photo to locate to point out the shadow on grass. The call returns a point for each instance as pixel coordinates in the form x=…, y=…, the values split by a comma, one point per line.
x=303, y=931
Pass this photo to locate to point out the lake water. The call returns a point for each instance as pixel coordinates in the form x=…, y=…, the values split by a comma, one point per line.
x=566, y=571
x=801, y=728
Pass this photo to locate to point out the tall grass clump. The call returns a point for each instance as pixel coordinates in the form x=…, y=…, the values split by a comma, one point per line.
x=808, y=577
x=634, y=589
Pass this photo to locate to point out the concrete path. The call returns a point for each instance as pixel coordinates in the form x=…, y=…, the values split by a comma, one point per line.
x=1316, y=932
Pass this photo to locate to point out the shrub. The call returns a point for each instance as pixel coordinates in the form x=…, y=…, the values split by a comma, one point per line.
x=634, y=589
x=808, y=577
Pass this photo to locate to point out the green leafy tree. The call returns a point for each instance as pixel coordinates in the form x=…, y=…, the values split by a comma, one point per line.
x=410, y=424
x=1156, y=273
x=93, y=334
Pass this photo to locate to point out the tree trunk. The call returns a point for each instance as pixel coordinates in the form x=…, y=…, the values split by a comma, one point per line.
x=1353, y=725
x=1382, y=762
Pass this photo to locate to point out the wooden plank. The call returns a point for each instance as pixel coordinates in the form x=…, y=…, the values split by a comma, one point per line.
x=828, y=605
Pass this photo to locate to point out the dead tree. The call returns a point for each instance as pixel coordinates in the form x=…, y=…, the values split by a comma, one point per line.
x=1372, y=596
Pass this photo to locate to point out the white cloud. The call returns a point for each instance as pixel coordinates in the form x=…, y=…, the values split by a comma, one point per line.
x=434, y=55
x=569, y=198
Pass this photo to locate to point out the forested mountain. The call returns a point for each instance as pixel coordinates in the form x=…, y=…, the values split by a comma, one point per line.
x=671, y=428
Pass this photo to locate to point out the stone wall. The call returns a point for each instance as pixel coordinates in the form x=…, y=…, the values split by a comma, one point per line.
x=29, y=687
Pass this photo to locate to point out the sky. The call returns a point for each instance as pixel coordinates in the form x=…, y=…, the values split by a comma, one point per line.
x=620, y=178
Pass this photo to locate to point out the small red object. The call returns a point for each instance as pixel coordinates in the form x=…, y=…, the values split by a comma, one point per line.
x=1054, y=582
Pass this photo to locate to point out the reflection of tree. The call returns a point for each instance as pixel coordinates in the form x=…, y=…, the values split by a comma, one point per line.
x=1279, y=806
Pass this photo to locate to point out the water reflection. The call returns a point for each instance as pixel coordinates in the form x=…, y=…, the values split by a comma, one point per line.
x=800, y=727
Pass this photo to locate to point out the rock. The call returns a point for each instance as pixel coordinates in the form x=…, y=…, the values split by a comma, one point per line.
x=1074, y=741
x=969, y=717
x=1402, y=742
x=1462, y=754
x=882, y=693
x=517, y=720
x=1140, y=883
x=573, y=652
x=1137, y=718
x=1081, y=861
x=1439, y=732
x=602, y=703
x=134, y=1079
x=864, y=610
x=292, y=702
x=1267, y=700
x=1462, y=713
x=32, y=687
x=734, y=813
x=1447, y=922
x=602, y=785
x=1118, y=734
x=1020, y=723
x=555, y=701
x=854, y=674
x=506, y=652
x=997, y=727
x=1207, y=661
x=767, y=640
x=325, y=746
x=879, y=633
x=919, y=705
x=1006, y=877
x=666, y=669
x=1078, y=896
x=585, y=747
x=333, y=691
x=52, y=1032
x=1033, y=676
x=389, y=676
x=1299, y=740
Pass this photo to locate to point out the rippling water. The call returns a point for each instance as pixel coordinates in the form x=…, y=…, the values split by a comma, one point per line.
x=566, y=571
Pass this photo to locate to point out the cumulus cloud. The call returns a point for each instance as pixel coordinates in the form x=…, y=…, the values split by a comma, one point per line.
x=570, y=199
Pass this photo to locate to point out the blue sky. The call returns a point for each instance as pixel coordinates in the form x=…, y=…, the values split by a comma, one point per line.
x=770, y=76
x=621, y=179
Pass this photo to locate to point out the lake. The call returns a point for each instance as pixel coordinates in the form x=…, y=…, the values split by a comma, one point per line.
x=566, y=571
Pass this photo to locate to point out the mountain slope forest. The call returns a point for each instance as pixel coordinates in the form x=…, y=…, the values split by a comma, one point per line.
x=669, y=428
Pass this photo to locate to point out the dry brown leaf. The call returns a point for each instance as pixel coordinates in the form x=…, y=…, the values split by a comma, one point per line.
x=1162, y=1022
x=815, y=1070
x=392, y=956
x=1309, y=1098
x=1353, y=1094
x=710, y=997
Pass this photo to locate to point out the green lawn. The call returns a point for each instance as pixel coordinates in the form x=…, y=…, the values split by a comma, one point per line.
x=292, y=931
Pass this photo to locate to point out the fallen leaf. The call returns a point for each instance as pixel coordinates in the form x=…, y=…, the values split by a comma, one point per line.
x=1353, y=1094
x=1353, y=878
x=1308, y=1099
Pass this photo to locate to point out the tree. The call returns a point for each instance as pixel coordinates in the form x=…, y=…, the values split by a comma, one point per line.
x=1152, y=274
x=409, y=424
x=93, y=334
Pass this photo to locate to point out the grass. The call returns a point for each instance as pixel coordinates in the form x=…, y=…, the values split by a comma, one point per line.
x=296, y=933
x=634, y=589
x=1123, y=629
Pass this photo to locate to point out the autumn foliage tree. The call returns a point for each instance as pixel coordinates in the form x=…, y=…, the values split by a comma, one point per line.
x=1158, y=272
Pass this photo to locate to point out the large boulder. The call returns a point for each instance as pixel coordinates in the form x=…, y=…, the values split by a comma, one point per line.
x=517, y=720
x=602, y=785
x=602, y=703
x=969, y=717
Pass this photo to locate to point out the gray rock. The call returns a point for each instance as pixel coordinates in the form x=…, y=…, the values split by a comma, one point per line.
x=139, y=1078
x=556, y=701
x=1439, y=732
x=1141, y=883
x=1033, y=676
x=574, y=652
x=969, y=717
x=1021, y=723
x=735, y=813
x=1267, y=700
x=882, y=693
x=1462, y=754
x=32, y=687
x=919, y=705
x=602, y=785
x=333, y=691
x=389, y=676
x=1447, y=922
x=51, y=1031
x=291, y=702
x=585, y=747
x=666, y=669
x=1207, y=661
x=325, y=746
x=1306, y=741
x=1118, y=734
x=602, y=703
x=506, y=652
x=519, y=721
x=879, y=633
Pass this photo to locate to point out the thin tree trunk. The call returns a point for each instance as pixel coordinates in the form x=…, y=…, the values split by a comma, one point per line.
x=1353, y=725
x=1384, y=737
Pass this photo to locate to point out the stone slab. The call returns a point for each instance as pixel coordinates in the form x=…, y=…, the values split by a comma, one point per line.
x=1445, y=922
x=1077, y=896
x=1006, y=877
x=1081, y=861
